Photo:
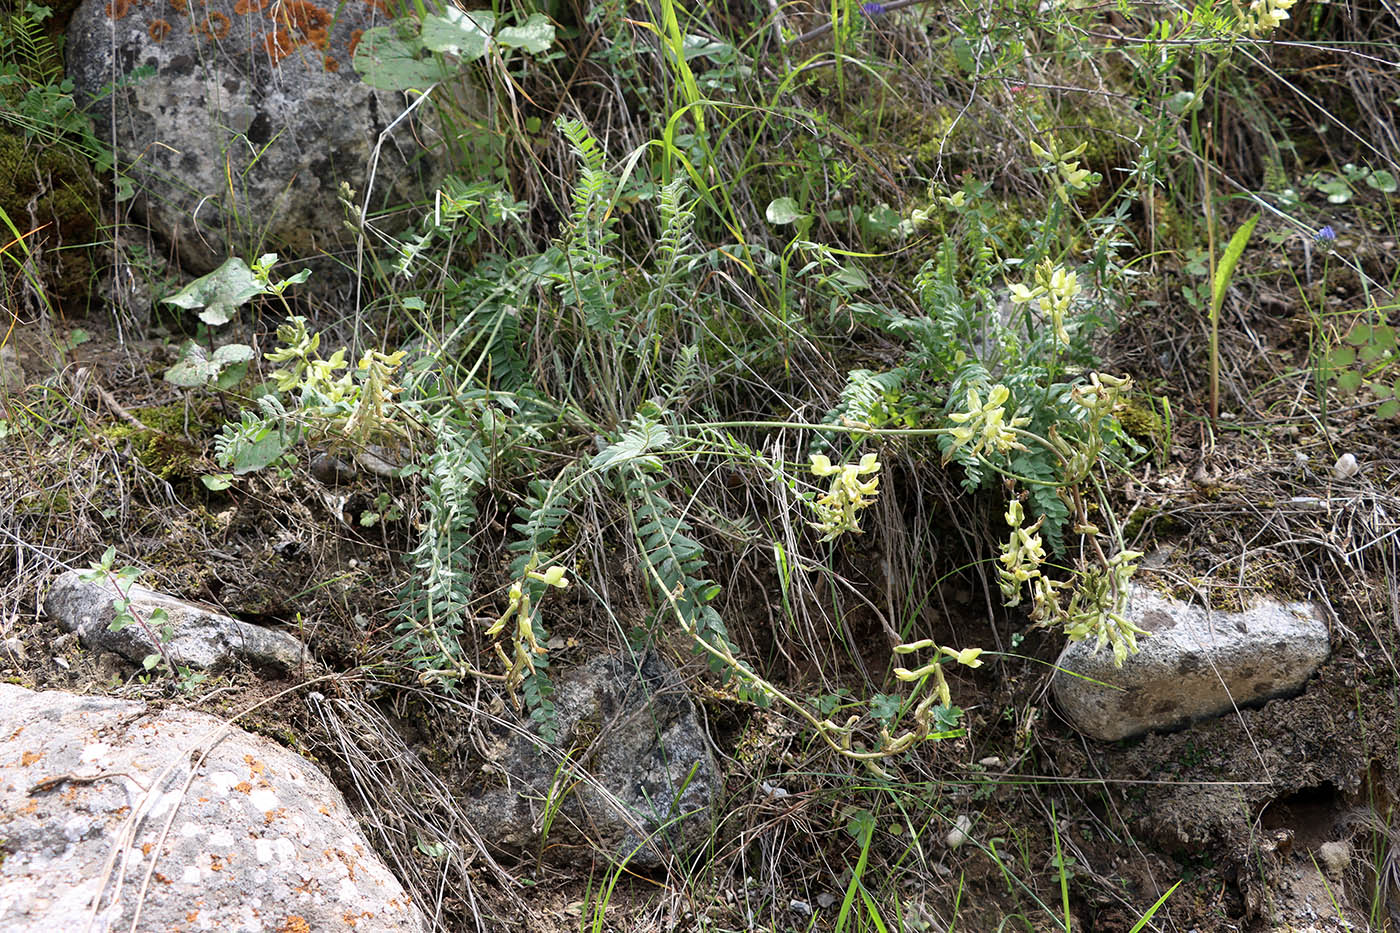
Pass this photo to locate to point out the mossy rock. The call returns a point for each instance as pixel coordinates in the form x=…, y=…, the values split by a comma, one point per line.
x=64, y=220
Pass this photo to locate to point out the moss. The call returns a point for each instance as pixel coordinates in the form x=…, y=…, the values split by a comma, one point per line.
x=162, y=449
x=63, y=192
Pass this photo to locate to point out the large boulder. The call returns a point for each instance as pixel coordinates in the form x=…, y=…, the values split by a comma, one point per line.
x=117, y=816
x=1197, y=663
x=238, y=120
x=631, y=773
x=194, y=636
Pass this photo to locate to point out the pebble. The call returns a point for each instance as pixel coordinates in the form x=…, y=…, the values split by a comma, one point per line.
x=959, y=833
x=1346, y=467
x=1335, y=857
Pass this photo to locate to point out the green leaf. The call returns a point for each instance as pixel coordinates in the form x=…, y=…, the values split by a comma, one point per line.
x=220, y=293
x=231, y=376
x=1382, y=180
x=233, y=353
x=1337, y=191
x=1341, y=357
x=535, y=36
x=1226, y=268
x=217, y=482
x=457, y=32
x=150, y=661
x=783, y=211
x=1360, y=334
x=192, y=369
x=885, y=706
x=390, y=58
x=258, y=450
x=1388, y=409
x=1349, y=381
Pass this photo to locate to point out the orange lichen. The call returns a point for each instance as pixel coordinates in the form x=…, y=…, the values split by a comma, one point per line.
x=279, y=44
x=330, y=64
x=215, y=26
x=378, y=5
x=158, y=30
x=301, y=17
x=244, y=7
x=181, y=6
x=118, y=8
x=355, y=37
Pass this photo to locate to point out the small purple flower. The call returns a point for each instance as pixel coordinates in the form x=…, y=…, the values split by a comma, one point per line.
x=873, y=9
x=1326, y=234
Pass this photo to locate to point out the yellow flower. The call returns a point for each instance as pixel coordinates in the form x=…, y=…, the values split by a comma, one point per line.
x=985, y=426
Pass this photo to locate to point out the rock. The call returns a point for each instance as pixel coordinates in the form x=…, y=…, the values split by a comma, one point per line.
x=1195, y=665
x=12, y=377
x=960, y=833
x=199, y=636
x=104, y=797
x=639, y=778
x=237, y=120
x=1334, y=857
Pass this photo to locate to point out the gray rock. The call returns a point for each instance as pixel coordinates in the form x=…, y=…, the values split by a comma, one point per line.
x=1195, y=665
x=1335, y=857
x=109, y=800
x=632, y=773
x=12, y=377
x=251, y=116
x=199, y=636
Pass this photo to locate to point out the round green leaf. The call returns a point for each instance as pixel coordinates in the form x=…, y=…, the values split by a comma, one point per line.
x=783, y=211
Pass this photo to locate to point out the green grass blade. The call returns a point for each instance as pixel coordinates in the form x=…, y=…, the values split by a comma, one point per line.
x=1153, y=909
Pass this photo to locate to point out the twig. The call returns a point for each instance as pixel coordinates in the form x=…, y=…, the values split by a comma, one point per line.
x=83, y=375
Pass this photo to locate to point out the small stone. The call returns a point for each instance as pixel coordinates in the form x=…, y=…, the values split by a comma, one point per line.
x=1334, y=857
x=330, y=470
x=1195, y=664
x=1346, y=467
x=992, y=762
x=13, y=647
x=12, y=377
x=959, y=834
x=198, y=637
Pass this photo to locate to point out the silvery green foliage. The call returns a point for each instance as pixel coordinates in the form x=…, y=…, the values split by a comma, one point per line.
x=436, y=606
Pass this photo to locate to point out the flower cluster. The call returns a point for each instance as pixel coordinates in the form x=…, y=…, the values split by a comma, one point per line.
x=1053, y=290
x=984, y=425
x=354, y=406
x=1265, y=15
x=526, y=643
x=1021, y=555
x=1098, y=608
x=967, y=656
x=1066, y=165
x=836, y=511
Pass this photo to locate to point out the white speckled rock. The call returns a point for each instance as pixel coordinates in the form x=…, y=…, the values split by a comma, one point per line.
x=258, y=839
x=238, y=119
x=1196, y=664
x=199, y=636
